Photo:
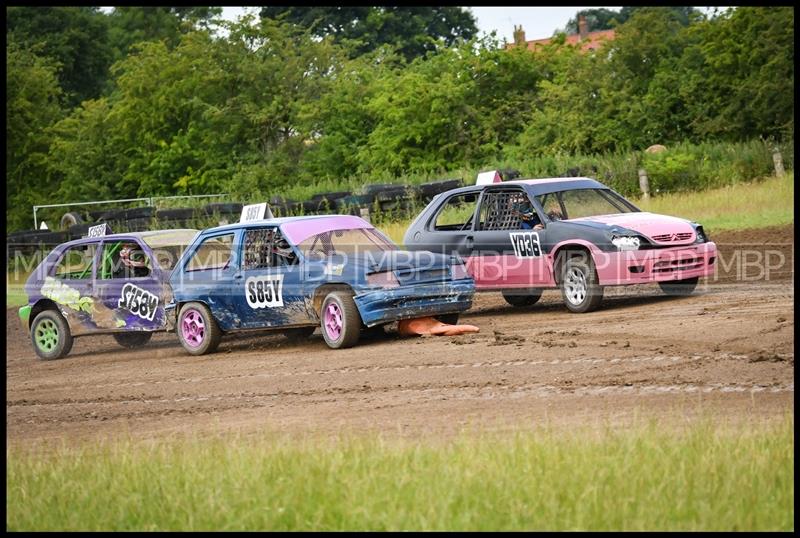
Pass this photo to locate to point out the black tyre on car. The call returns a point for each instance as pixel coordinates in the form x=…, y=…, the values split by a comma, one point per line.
x=50, y=335
x=523, y=297
x=679, y=288
x=578, y=281
x=197, y=329
x=133, y=340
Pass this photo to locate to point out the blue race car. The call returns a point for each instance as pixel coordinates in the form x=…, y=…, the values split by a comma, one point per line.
x=296, y=273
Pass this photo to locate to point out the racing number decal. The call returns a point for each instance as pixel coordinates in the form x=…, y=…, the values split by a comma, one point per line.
x=264, y=291
x=138, y=301
x=526, y=244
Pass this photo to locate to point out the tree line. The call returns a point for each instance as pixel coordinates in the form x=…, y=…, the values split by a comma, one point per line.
x=164, y=101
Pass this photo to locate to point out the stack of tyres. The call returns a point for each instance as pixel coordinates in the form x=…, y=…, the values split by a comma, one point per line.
x=176, y=218
x=353, y=204
x=426, y=191
x=225, y=213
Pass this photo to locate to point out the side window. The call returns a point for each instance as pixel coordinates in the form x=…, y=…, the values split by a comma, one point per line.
x=213, y=253
x=124, y=259
x=456, y=213
x=551, y=206
x=507, y=210
x=266, y=247
x=258, y=248
x=76, y=263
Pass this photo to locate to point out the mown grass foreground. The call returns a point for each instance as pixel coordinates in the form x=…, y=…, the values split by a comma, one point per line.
x=701, y=477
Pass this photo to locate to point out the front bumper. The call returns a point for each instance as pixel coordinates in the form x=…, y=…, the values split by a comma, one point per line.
x=656, y=265
x=25, y=317
x=406, y=302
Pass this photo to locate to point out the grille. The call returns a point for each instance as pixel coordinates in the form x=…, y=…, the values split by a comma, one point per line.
x=666, y=238
x=667, y=266
x=426, y=275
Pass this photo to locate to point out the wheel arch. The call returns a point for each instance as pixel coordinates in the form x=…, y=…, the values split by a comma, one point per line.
x=40, y=306
x=322, y=291
x=560, y=253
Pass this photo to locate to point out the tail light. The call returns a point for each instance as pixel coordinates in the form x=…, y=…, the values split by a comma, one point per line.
x=385, y=279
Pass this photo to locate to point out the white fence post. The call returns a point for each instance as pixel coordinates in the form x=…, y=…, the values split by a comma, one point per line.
x=644, y=184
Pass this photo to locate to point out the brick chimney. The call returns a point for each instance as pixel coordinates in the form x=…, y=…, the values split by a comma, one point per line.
x=583, y=27
x=519, y=35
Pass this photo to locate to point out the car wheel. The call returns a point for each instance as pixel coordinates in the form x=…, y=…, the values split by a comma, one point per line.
x=197, y=329
x=50, y=335
x=679, y=287
x=450, y=319
x=579, y=287
x=299, y=333
x=132, y=340
x=340, y=320
x=528, y=298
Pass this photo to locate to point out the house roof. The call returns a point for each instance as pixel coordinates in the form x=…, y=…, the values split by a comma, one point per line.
x=592, y=42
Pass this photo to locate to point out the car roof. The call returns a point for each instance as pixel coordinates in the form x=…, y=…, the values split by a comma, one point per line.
x=538, y=186
x=275, y=222
x=127, y=235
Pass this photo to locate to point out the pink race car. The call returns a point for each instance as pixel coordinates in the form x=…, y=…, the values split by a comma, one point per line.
x=576, y=234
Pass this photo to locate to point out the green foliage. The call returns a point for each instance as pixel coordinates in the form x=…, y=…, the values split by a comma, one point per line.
x=412, y=31
x=271, y=107
x=75, y=38
x=32, y=104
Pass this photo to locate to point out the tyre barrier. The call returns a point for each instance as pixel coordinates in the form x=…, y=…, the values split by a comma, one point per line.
x=70, y=219
x=223, y=209
x=427, y=191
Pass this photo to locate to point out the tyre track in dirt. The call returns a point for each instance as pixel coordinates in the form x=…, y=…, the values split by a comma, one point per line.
x=728, y=350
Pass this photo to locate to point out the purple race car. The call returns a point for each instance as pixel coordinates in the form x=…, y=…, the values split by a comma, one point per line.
x=112, y=284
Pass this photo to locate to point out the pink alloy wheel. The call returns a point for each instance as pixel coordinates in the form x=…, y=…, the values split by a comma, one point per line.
x=333, y=321
x=193, y=328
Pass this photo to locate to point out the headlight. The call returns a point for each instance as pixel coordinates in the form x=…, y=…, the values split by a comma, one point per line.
x=626, y=242
x=386, y=279
x=458, y=271
x=701, y=234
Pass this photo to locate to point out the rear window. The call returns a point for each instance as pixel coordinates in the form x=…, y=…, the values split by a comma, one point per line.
x=345, y=242
x=76, y=263
x=456, y=213
x=213, y=253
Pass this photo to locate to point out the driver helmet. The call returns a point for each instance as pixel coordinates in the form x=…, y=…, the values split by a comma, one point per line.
x=281, y=247
x=132, y=256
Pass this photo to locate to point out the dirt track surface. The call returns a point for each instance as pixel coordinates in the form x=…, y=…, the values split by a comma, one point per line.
x=728, y=349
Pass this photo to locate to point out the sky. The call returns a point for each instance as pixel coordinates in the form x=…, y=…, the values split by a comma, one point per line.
x=538, y=22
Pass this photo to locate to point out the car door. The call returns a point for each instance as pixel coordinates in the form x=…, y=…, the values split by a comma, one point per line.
x=128, y=287
x=269, y=284
x=509, y=241
x=70, y=284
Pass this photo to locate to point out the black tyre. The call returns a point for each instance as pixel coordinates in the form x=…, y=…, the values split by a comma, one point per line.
x=223, y=208
x=679, y=288
x=578, y=282
x=197, y=329
x=70, y=219
x=133, y=340
x=340, y=320
x=299, y=333
x=450, y=319
x=50, y=335
x=522, y=298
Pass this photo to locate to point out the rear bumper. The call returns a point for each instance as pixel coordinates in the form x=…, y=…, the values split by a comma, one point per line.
x=655, y=265
x=405, y=302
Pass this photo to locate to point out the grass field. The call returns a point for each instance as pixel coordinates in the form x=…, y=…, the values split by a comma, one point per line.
x=703, y=477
